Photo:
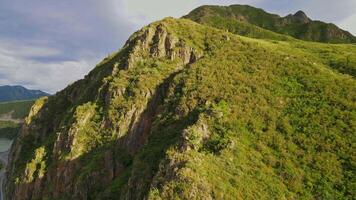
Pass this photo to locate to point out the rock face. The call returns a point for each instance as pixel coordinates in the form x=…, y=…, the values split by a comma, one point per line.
x=157, y=42
x=301, y=17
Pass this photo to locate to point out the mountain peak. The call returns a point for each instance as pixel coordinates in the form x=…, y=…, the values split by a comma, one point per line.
x=301, y=16
x=300, y=13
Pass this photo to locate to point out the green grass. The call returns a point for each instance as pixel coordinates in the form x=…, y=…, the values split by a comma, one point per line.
x=9, y=129
x=251, y=119
x=20, y=109
x=280, y=139
x=15, y=110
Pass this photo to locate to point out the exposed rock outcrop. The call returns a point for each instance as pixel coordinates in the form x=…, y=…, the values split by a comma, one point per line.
x=301, y=17
x=156, y=41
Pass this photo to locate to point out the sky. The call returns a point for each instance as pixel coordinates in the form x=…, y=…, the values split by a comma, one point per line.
x=49, y=44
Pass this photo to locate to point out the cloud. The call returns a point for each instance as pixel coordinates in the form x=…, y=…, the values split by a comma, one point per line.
x=48, y=44
x=20, y=69
x=14, y=48
x=349, y=24
x=143, y=12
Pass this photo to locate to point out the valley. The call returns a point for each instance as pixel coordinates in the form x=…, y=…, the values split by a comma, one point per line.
x=12, y=115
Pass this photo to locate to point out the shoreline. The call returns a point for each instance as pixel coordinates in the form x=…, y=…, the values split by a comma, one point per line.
x=3, y=159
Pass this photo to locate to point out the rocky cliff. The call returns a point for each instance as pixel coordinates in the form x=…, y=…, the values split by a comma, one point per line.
x=192, y=112
x=91, y=130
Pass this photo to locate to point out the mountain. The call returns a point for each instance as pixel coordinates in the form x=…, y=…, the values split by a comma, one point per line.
x=12, y=93
x=248, y=21
x=189, y=111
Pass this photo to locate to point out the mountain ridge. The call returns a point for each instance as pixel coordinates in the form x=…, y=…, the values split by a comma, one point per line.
x=181, y=101
x=297, y=25
x=17, y=92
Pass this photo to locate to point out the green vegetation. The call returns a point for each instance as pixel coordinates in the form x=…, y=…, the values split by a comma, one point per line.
x=36, y=106
x=187, y=111
x=37, y=166
x=16, y=109
x=9, y=129
x=245, y=29
x=253, y=22
x=11, y=116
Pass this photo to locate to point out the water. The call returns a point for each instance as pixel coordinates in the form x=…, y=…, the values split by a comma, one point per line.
x=5, y=144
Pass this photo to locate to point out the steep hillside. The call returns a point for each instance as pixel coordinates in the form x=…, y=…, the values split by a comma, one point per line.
x=192, y=112
x=12, y=114
x=13, y=93
x=254, y=22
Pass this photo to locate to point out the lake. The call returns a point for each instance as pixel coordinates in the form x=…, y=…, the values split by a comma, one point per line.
x=5, y=144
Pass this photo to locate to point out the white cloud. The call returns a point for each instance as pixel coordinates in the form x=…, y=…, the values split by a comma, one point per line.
x=143, y=12
x=14, y=48
x=17, y=69
x=349, y=24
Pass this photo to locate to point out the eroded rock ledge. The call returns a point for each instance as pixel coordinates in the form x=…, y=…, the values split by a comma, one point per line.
x=156, y=41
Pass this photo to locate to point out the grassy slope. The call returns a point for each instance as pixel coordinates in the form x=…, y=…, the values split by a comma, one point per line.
x=251, y=119
x=248, y=21
x=288, y=123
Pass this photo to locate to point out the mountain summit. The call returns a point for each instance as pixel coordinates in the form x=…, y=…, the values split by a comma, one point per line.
x=190, y=111
x=302, y=17
x=254, y=22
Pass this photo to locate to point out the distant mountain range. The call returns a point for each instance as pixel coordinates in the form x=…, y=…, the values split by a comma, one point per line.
x=13, y=93
x=257, y=23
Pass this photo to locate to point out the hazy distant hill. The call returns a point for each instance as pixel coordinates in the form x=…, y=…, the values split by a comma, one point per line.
x=12, y=93
x=255, y=22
